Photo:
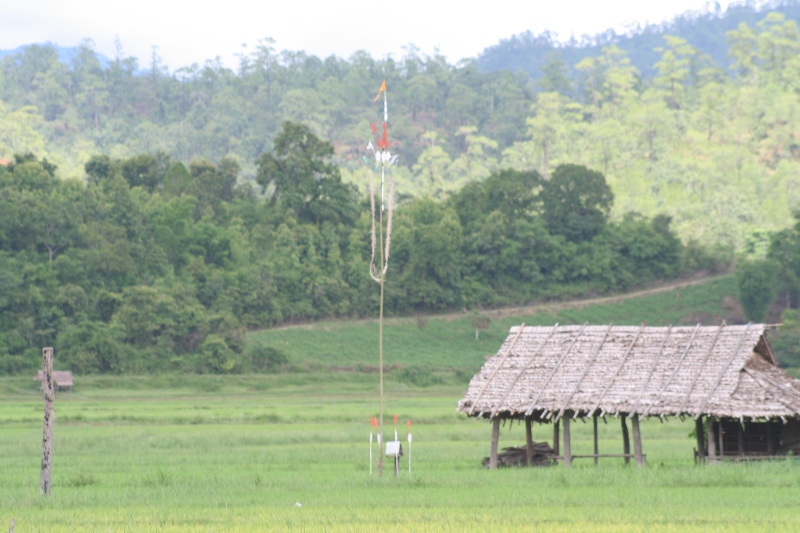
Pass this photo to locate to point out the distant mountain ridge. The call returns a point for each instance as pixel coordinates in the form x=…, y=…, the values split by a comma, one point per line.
x=65, y=53
x=529, y=52
x=704, y=29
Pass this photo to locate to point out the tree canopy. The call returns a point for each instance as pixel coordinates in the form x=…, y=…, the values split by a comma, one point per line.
x=148, y=266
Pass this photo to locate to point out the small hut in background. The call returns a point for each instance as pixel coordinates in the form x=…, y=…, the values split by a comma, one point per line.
x=725, y=377
x=62, y=379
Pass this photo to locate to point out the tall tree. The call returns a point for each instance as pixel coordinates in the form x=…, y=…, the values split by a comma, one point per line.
x=299, y=176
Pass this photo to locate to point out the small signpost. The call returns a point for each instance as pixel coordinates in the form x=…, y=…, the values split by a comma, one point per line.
x=394, y=449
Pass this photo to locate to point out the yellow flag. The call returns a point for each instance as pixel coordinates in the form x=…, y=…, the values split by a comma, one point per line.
x=383, y=88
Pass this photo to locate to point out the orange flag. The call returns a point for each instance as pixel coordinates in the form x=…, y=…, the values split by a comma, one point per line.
x=383, y=88
x=409, y=425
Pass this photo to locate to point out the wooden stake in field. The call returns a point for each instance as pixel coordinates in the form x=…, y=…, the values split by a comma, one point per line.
x=409, y=447
x=373, y=422
x=47, y=436
x=383, y=160
x=370, y=453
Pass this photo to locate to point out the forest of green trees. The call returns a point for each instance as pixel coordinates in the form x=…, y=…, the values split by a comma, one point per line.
x=152, y=266
x=148, y=219
x=712, y=146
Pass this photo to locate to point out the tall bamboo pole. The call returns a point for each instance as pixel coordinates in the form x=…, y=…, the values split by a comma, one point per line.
x=381, y=443
x=378, y=273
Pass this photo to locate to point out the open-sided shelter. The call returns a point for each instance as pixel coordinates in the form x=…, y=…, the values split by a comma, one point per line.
x=725, y=377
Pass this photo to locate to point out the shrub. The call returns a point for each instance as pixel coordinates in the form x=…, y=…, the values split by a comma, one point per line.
x=264, y=358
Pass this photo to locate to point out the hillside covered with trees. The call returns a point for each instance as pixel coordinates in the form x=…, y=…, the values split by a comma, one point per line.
x=712, y=146
x=704, y=29
x=149, y=265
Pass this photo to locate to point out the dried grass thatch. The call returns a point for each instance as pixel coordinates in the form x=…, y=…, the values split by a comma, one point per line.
x=545, y=372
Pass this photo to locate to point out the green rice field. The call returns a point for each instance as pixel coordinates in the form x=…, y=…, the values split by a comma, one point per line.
x=290, y=452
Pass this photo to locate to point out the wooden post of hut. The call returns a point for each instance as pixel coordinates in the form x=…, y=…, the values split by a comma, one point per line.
x=626, y=441
x=47, y=434
x=528, y=441
x=711, y=439
x=596, y=448
x=567, y=441
x=556, y=438
x=637, y=441
x=701, y=446
x=495, y=439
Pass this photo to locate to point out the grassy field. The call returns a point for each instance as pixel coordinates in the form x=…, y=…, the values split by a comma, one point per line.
x=232, y=454
x=290, y=452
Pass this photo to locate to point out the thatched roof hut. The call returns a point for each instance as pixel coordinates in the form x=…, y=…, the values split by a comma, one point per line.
x=719, y=372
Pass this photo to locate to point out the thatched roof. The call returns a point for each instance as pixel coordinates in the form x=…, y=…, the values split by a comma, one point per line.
x=723, y=371
x=61, y=378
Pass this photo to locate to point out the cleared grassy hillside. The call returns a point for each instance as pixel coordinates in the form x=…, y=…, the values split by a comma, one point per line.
x=449, y=343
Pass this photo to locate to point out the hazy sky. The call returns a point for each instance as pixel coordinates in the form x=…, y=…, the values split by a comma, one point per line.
x=192, y=32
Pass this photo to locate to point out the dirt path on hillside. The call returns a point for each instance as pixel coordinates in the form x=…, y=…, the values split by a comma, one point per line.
x=525, y=309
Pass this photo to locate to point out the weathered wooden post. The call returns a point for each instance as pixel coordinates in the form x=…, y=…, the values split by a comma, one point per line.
x=495, y=439
x=567, y=441
x=637, y=441
x=701, y=445
x=528, y=441
x=47, y=437
x=596, y=447
x=556, y=439
x=626, y=441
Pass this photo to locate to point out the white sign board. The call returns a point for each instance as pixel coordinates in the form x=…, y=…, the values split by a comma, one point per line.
x=394, y=449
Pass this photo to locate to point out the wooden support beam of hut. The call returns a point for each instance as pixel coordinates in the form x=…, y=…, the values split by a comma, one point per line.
x=711, y=438
x=495, y=439
x=721, y=443
x=626, y=441
x=637, y=441
x=567, y=443
x=528, y=441
x=701, y=445
x=556, y=437
x=596, y=451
